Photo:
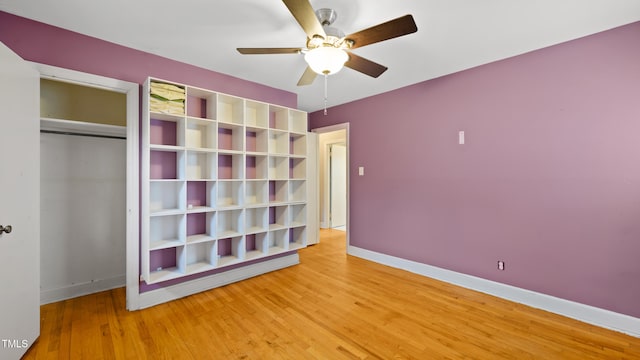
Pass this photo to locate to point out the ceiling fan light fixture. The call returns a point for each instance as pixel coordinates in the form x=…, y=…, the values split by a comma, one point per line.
x=326, y=60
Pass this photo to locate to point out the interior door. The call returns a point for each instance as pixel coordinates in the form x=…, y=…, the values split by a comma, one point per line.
x=338, y=185
x=19, y=205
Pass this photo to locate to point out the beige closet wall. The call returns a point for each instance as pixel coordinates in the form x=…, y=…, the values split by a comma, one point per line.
x=62, y=100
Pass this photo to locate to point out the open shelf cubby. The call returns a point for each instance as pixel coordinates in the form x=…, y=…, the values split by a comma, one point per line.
x=297, y=238
x=201, y=103
x=230, y=166
x=297, y=168
x=166, y=264
x=256, y=114
x=278, y=191
x=256, y=167
x=230, y=223
x=166, y=130
x=278, y=118
x=230, y=194
x=200, y=134
x=278, y=217
x=201, y=257
x=256, y=220
x=278, y=142
x=167, y=231
x=201, y=227
x=257, y=140
x=297, y=191
x=201, y=196
x=230, y=109
x=231, y=137
x=278, y=168
x=166, y=164
x=256, y=245
x=298, y=215
x=201, y=165
x=278, y=241
x=230, y=250
x=298, y=144
x=256, y=193
x=166, y=197
x=298, y=123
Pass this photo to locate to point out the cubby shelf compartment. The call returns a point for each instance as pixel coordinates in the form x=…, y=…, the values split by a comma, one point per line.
x=230, y=109
x=297, y=238
x=278, y=118
x=278, y=192
x=201, y=196
x=166, y=197
x=201, y=257
x=166, y=130
x=201, y=103
x=166, y=264
x=201, y=227
x=298, y=121
x=256, y=167
x=166, y=163
x=231, y=250
x=166, y=231
x=231, y=137
x=297, y=191
x=298, y=215
x=230, y=166
x=256, y=193
x=200, y=134
x=298, y=144
x=297, y=168
x=256, y=114
x=230, y=194
x=201, y=165
x=278, y=241
x=278, y=142
x=256, y=245
x=278, y=217
x=256, y=220
x=278, y=168
x=230, y=223
x=256, y=140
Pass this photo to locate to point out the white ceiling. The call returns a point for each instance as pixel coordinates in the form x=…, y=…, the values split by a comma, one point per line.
x=452, y=35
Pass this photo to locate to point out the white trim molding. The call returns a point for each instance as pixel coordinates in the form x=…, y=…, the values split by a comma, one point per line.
x=169, y=293
x=589, y=314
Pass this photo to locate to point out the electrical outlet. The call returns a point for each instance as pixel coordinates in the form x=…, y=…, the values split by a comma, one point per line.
x=500, y=265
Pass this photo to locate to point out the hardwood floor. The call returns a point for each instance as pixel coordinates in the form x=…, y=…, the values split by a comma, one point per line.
x=331, y=306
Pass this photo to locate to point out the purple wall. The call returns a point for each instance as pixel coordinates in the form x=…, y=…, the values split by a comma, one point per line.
x=548, y=181
x=38, y=42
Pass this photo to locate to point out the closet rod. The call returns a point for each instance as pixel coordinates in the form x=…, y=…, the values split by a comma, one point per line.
x=82, y=134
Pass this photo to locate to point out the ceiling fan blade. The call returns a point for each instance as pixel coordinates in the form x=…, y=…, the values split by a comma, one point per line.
x=403, y=25
x=306, y=17
x=263, y=51
x=308, y=77
x=365, y=66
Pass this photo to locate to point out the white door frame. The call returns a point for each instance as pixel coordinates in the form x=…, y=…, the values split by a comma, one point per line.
x=332, y=128
x=133, y=162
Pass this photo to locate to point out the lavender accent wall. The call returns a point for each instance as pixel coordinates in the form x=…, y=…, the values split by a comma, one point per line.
x=548, y=180
x=42, y=43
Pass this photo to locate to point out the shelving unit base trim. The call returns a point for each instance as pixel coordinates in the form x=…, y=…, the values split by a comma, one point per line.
x=174, y=292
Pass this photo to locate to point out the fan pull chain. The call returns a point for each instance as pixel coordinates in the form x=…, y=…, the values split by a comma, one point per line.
x=325, y=94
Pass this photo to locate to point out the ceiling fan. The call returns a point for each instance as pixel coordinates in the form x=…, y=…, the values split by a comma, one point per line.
x=328, y=49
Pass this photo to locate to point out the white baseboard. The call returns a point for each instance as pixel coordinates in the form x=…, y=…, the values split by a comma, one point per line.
x=589, y=314
x=169, y=293
x=75, y=290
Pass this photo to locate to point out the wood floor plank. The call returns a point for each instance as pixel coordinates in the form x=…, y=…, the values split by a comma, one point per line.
x=331, y=306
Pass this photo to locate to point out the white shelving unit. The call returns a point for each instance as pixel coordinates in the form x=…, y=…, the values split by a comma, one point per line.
x=223, y=183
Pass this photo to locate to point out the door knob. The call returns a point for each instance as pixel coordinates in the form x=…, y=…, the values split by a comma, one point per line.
x=6, y=229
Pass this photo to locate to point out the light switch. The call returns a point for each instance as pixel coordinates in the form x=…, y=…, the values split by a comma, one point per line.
x=361, y=170
x=461, y=137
